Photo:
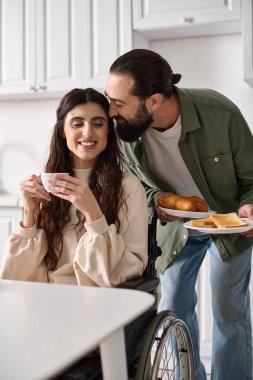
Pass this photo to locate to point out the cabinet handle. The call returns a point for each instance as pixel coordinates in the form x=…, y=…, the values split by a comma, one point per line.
x=41, y=88
x=186, y=20
x=32, y=88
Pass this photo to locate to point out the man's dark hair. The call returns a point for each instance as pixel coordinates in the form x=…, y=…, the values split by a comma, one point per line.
x=151, y=72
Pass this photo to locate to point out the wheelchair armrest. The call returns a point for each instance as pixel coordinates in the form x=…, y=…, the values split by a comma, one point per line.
x=146, y=284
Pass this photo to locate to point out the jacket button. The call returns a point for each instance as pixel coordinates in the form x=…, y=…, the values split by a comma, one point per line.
x=216, y=159
x=174, y=252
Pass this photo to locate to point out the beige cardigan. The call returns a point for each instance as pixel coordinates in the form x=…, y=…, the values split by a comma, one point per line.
x=100, y=257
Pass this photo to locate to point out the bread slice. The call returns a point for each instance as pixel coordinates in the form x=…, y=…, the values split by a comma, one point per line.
x=230, y=220
x=203, y=223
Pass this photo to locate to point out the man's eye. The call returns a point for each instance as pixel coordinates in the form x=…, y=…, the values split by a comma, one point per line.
x=118, y=105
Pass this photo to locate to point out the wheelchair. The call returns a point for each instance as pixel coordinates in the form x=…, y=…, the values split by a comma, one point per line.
x=158, y=345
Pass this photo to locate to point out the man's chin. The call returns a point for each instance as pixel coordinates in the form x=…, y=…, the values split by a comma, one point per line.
x=124, y=135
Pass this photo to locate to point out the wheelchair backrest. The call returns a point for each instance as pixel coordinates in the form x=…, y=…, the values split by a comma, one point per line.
x=153, y=249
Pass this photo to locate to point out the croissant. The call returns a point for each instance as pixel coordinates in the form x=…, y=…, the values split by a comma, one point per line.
x=183, y=203
x=201, y=204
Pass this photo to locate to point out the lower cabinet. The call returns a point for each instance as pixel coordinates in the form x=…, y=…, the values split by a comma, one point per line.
x=9, y=220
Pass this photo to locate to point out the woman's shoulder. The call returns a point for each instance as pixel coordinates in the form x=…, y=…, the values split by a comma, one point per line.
x=131, y=181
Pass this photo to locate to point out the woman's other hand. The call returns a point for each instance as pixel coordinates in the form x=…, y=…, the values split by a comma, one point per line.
x=78, y=193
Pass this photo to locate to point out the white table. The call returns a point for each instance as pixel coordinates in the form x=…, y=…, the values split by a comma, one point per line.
x=44, y=328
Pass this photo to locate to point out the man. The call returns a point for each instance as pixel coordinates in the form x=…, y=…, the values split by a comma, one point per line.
x=191, y=142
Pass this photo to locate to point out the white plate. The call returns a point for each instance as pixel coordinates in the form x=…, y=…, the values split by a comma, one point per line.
x=187, y=214
x=222, y=231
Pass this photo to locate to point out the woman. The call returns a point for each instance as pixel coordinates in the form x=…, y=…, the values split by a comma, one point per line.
x=91, y=229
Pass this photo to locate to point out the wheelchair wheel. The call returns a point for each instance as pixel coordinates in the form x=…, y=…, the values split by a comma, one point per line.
x=167, y=350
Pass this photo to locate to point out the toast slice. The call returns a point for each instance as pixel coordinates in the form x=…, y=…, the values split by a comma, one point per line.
x=230, y=220
x=203, y=223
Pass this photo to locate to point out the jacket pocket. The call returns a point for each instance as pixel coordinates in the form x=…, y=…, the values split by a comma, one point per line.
x=220, y=175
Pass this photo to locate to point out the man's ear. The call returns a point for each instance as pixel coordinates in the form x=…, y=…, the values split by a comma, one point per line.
x=155, y=101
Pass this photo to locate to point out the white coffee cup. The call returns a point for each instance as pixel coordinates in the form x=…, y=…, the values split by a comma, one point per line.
x=46, y=176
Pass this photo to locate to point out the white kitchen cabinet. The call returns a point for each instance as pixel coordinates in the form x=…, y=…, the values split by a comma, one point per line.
x=17, y=68
x=107, y=28
x=247, y=34
x=156, y=19
x=40, y=45
x=48, y=47
x=11, y=212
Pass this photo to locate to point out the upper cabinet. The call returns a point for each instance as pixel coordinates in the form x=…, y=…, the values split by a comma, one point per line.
x=247, y=36
x=156, y=19
x=40, y=44
x=48, y=47
x=107, y=32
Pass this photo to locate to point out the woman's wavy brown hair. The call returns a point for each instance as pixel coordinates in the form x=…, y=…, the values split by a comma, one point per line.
x=105, y=179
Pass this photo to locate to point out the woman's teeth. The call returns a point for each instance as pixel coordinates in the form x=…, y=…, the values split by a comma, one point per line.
x=87, y=143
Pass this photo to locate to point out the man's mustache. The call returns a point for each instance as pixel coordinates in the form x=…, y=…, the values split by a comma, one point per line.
x=117, y=118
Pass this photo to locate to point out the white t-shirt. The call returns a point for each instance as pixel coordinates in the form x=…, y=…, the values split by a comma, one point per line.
x=166, y=162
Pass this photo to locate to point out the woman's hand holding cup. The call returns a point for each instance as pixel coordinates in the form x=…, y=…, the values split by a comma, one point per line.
x=32, y=193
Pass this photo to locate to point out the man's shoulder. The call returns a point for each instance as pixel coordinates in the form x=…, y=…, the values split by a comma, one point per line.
x=205, y=97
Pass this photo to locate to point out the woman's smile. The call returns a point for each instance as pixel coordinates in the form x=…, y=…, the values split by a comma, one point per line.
x=87, y=144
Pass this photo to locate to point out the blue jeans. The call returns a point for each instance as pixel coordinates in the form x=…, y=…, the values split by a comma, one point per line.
x=232, y=339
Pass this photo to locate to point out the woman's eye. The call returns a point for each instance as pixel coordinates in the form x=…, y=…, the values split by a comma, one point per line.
x=98, y=125
x=77, y=125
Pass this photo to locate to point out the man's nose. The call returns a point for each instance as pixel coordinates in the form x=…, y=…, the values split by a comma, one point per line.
x=113, y=110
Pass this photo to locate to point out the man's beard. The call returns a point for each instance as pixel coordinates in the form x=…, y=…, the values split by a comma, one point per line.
x=132, y=129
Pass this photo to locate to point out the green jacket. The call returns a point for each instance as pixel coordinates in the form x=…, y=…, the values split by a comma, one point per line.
x=217, y=147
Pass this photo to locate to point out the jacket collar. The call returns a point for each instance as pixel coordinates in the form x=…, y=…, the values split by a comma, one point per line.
x=140, y=162
x=189, y=117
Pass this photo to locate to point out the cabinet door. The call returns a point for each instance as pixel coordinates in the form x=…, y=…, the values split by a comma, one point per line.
x=9, y=219
x=247, y=34
x=40, y=45
x=151, y=15
x=108, y=34
x=17, y=59
x=58, y=44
